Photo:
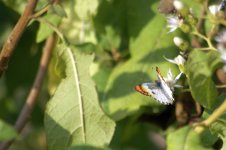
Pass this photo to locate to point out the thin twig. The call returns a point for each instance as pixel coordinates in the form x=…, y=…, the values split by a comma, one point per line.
x=11, y=42
x=212, y=118
x=201, y=21
x=32, y=97
x=41, y=12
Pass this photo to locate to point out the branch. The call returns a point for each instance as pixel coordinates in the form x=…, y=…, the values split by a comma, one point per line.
x=213, y=117
x=11, y=42
x=32, y=97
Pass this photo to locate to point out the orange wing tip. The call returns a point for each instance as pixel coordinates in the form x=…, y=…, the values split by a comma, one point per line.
x=157, y=70
x=140, y=89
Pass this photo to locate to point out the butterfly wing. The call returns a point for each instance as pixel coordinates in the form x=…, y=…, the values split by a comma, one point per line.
x=164, y=86
x=159, y=90
x=156, y=91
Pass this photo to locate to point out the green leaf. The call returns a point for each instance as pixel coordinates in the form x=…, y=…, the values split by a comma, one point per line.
x=219, y=128
x=78, y=30
x=131, y=134
x=148, y=43
x=46, y=30
x=86, y=8
x=208, y=139
x=184, y=138
x=58, y=10
x=86, y=147
x=199, y=69
x=73, y=115
x=110, y=40
x=7, y=131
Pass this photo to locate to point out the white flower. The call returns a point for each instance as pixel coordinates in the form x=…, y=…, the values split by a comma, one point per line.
x=221, y=44
x=214, y=9
x=172, y=82
x=178, y=4
x=179, y=60
x=174, y=22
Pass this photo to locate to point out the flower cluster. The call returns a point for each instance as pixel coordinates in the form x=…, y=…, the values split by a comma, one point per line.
x=184, y=19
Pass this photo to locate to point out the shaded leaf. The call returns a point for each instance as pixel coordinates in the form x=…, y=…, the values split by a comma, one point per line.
x=73, y=115
x=184, y=138
x=137, y=136
x=219, y=128
x=199, y=69
x=7, y=131
x=110, y=40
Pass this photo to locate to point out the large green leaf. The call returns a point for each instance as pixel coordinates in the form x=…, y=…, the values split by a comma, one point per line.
x=7, y=132
x=148, y=43
x=199, y=69
x=184, y=138
x=73, y=115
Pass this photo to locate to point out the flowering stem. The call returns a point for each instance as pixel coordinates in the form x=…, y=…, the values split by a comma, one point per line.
x=211, y=47
x=220, y=86
x=212, y=118
x=205, y=49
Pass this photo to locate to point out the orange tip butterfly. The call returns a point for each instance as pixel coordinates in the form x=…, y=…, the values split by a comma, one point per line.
x=162, y=89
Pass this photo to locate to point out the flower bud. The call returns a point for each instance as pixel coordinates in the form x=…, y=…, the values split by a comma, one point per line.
x=192, y=20
x=185, y=28
x=180, y=43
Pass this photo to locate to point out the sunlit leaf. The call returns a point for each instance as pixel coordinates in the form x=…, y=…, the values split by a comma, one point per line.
x=78, y=30
x=86, y=8
x=73, y=115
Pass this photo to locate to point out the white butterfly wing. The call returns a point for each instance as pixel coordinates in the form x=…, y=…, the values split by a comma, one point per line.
x=158, y=93
x=159, y=90
x=164, y=86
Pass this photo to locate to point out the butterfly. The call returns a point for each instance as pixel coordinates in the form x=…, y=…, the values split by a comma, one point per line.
x=162, y=89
